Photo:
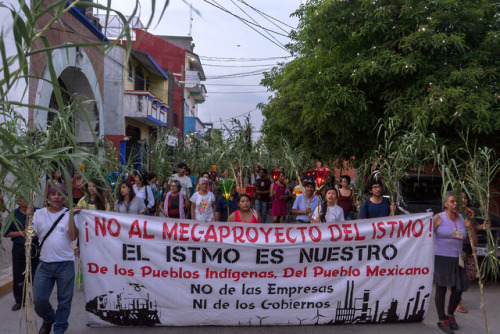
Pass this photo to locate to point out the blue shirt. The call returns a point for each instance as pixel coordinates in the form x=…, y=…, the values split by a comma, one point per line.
x=300, y=205
x=191, y=190
x=221, y=206
x=18, y=223
x=375, y=210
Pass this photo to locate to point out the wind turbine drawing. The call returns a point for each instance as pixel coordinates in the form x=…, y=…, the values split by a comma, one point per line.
x=191, y=9
x=318, y=316
x=300, y=320
x=260, y=319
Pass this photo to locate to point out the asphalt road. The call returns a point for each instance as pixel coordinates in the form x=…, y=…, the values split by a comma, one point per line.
x=471, y=322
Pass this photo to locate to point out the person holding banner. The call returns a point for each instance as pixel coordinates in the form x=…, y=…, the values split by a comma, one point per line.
x=203, y=203
x=245, y=213
x=329, y=211
x=451, y=231
x=57, y=229
x=303, y=209
x=127, y=202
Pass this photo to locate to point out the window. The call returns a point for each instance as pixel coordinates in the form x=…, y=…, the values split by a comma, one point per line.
x=176, y=121
x=130, y=71
x=139, y=79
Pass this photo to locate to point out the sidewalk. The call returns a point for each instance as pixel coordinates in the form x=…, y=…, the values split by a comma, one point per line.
x=5, y=267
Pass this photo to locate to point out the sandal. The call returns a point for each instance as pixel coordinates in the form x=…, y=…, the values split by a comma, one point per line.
x=461, y=309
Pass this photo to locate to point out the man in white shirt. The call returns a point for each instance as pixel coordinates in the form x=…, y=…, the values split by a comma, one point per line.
x=56, y=261
x=184, y=180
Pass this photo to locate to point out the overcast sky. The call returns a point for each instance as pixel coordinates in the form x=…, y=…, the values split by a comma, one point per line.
x=218, y=36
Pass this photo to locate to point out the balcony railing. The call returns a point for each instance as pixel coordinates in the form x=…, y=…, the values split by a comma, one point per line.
x=144, y=107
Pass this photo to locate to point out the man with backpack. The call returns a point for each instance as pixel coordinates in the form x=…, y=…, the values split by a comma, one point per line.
x=377, y=205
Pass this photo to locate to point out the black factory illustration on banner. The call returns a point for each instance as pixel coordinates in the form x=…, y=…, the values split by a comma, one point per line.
x=126, y=308
x=356, y=310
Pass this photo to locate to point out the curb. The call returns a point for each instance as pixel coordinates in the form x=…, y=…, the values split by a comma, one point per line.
x=5, y=286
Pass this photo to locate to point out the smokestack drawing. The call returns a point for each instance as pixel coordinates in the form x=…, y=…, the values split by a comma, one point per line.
x=376, y=313
x=364, y=309
x=352, y=291
x=346, y=304
x=417, y=299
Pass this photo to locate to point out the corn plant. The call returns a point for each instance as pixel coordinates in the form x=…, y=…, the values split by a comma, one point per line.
x=27, y=156
x=482, y=167
x=26, y=153
x=472, y=175
x=295, y=161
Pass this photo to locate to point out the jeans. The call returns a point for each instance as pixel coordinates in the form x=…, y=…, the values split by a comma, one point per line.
x=261, y=208
x=63, y=274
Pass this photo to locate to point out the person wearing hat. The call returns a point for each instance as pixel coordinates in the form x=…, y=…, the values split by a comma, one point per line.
x=302, y=209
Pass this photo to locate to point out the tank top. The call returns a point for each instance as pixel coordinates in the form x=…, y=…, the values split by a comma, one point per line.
x=173, y=207
x=444, y=242
x=345, y=202
x=237, y=217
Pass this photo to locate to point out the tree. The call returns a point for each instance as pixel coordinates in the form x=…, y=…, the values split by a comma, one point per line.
x=431, y=63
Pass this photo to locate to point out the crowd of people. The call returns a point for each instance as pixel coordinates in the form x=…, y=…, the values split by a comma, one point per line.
x=185, y=196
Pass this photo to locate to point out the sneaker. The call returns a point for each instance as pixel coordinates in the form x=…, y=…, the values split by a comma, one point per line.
x=46, y=328
x=452, y=322
x=16, y=307
x=444, y=325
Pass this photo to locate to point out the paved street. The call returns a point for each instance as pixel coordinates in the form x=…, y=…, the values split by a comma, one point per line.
x=470, y=323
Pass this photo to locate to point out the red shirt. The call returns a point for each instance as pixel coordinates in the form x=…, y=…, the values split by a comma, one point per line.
x=263, y=184
x=77, y=188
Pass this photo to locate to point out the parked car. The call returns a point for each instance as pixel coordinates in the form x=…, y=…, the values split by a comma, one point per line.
x=422, y=193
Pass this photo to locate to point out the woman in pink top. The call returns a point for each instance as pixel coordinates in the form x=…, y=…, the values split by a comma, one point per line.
x=245, y=213
x=346, y=197
x=279, y=199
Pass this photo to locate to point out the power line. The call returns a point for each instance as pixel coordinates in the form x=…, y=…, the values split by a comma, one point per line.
x=242, y=74
x=216, y=5
x=209, y=58
x=234, y=77
x=219, y=6
x=231, y=85
x=216, y=65
x=251, y=18
x=269, y=16
x=238, y=92
x=228, y=119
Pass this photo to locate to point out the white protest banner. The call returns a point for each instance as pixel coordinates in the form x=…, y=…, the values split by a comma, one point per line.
x=140, y=270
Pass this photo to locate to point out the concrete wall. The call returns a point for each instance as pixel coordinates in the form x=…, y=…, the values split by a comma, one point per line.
x=168, y=56
x=69, y=29
x=116, y=78
x=16, y=93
